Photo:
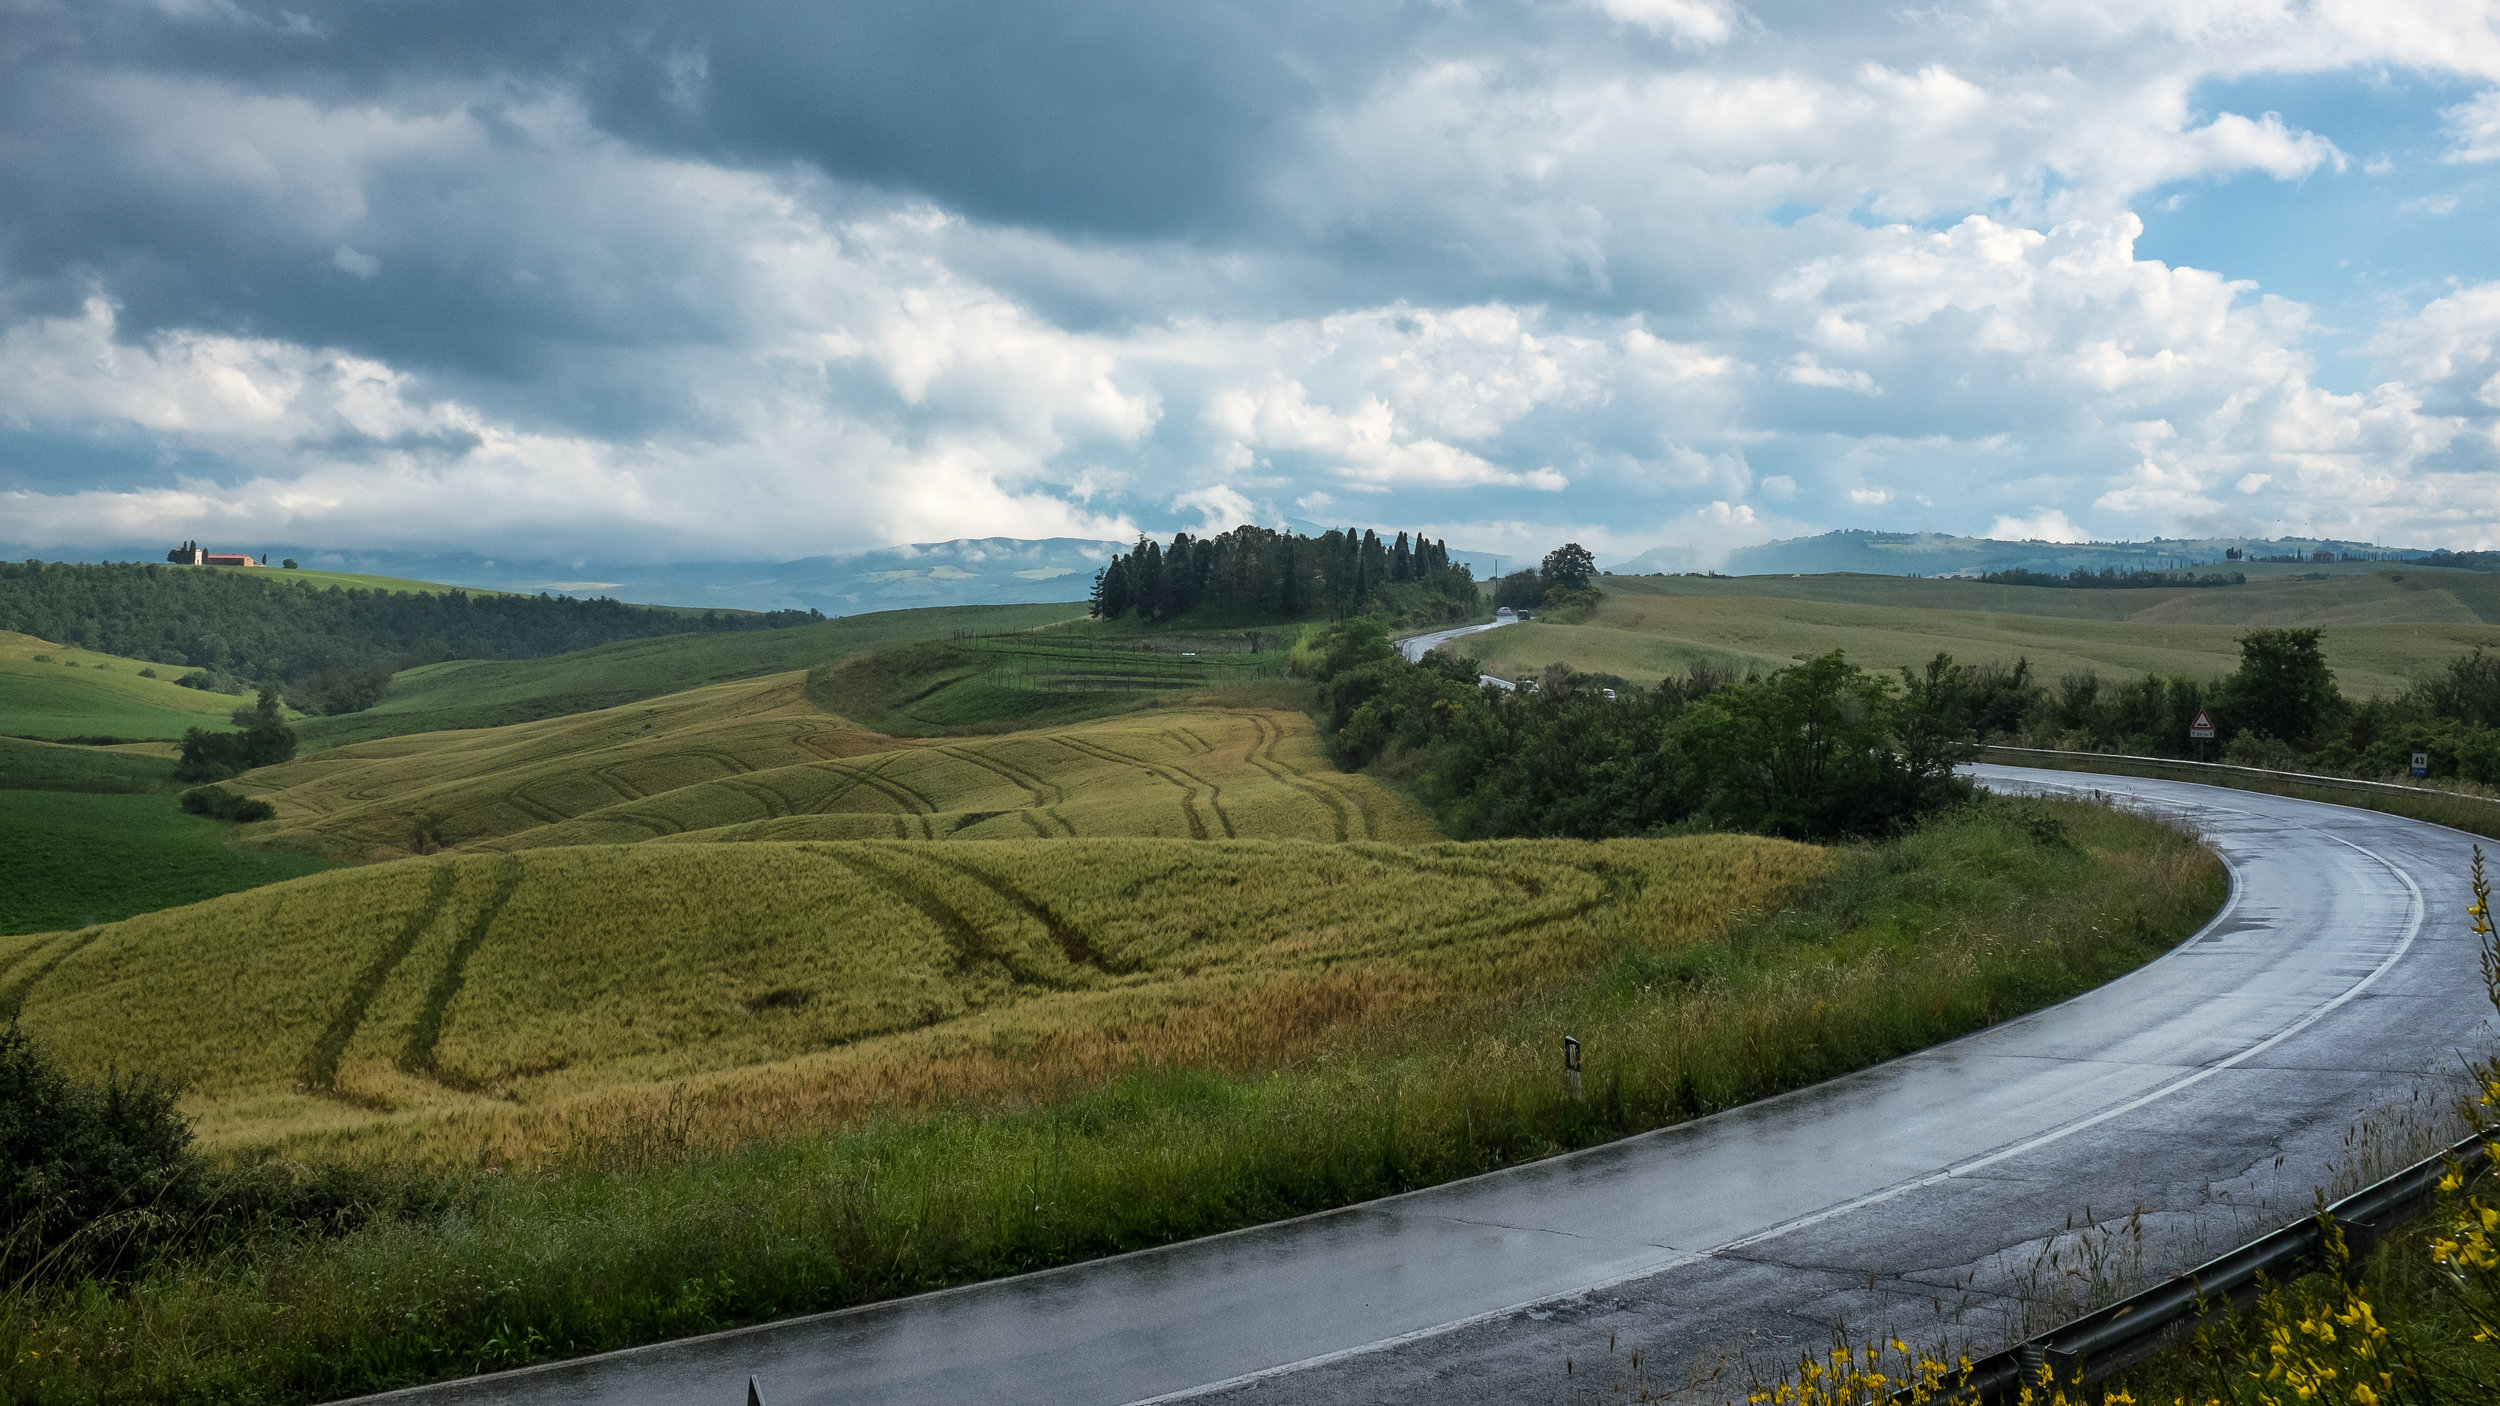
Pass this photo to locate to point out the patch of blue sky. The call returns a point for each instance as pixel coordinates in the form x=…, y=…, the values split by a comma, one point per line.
x=2379, y=238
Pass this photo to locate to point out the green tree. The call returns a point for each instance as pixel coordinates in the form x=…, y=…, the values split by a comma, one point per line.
x=2283, y=687
x=1934, y=725
x=1568, y=567
x=1519, y=590
x=266, y=740
x=1810, y=751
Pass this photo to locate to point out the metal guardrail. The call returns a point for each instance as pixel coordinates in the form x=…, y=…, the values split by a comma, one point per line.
x=2303, y=778
x=2108, y=1340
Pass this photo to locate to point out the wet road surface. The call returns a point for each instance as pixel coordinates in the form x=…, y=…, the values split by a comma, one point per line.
x=1415, y=647
x=2208, y=1092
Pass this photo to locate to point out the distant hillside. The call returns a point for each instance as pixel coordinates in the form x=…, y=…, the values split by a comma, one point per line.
x=967, y=571
x=2386, y=625
x=1939, y=554
x=266, y=627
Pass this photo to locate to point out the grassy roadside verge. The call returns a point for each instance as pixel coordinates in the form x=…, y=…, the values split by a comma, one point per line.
x=2472, y=814
x=1978, y=916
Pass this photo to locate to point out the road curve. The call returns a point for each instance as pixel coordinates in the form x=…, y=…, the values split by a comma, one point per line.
x=2209, y=1091
x=1415, y=647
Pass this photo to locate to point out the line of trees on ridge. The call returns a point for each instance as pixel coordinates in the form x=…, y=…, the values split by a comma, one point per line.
x=2110, y=578
x=333, y=649
x=1260, y=573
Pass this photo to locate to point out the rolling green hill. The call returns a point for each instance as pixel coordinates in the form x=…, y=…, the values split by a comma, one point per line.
x=758, y=760
x=49, y=691
x=2384, y=626
x=1073, y=671
x=491, y=693
x=359, y=581
x=76, y=858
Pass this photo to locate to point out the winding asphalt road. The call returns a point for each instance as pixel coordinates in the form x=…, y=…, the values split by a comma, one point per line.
x=2207, y=1092
x=1415, y=647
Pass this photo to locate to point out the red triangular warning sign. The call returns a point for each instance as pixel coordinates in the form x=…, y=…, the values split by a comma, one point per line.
x=2203, y=726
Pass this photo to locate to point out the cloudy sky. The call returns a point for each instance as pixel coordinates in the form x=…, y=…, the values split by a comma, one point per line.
x=760, y=278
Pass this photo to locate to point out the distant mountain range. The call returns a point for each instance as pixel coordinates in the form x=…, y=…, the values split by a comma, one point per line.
x=1938, y=554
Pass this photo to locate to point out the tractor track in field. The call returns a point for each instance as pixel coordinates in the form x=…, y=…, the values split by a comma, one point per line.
x=607, y=776
x=912, y=797
x=774, y=803
x=1047, y=795
x=730, y=762
x=13, y=998
x=321, y=1063
x=1265, y=737
x=521, y=800
x=822, y=743
x=426, y=1035
x=846, y=777
x=892, y=871
x=1071, y=938
x=1189, y=783
x=914, y=805
x=974, y=759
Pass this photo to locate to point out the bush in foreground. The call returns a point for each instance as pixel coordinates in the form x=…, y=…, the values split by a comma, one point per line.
x=91, y=1175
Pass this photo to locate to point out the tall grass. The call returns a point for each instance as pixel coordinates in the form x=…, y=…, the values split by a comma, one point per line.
x=495, y=1006
x=640, y=1232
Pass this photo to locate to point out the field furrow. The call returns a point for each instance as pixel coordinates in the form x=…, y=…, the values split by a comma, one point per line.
x=321, y=1064
x=510, y=997
x=419, y=1055
x=730, y=765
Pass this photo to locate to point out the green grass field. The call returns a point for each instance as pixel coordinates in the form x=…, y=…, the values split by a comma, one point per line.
x=49, y=690
x=356, y=581
x=491, y=693
x=74, y=859
x=48, y=766
x=2383, y=627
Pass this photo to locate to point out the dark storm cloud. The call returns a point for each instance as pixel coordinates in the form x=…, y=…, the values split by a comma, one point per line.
x=415, y=262
x=1124, y=117
x=1112, y=120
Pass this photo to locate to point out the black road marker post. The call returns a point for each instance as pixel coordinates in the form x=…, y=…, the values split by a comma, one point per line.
x=755, y=1394
x=1571, y=1068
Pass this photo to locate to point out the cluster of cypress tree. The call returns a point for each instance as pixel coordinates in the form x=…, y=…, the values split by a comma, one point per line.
x=1256, y=572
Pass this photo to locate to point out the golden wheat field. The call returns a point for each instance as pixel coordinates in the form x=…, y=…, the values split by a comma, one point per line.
x=757, y=761
x=509, y=1006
